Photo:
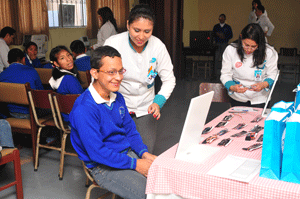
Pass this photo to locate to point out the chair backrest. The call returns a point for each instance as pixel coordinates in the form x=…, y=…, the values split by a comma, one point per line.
x=85, y=78
x=40, y=99
x=64, y=103
x=14, y=93
x=288, y=51
x=45, y=74
x=221, y=93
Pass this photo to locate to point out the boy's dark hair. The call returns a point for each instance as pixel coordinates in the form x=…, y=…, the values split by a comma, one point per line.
x=100, y=53
x=6, y=30
x=77, y=47
x=15, y=55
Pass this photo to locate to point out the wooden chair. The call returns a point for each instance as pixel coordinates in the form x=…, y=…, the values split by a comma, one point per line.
x=40, y=99
x=220, y=95
x=93, y=185
x=13, y=155
x=289, y=63
x=17, y=94
x=45, y=75
x=85, y=78
x=63, y=104
x=206, y=65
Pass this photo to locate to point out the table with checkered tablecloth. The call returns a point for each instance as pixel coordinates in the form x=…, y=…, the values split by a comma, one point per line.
x=173, y=178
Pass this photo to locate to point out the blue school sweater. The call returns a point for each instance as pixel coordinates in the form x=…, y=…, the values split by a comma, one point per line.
x=83, y=63
x=102, y=135
x=19, y=73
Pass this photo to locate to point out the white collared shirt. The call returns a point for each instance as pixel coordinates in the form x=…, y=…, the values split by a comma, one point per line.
x=98, y=99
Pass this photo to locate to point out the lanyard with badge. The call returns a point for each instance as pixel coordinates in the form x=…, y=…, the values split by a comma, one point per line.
x=258, y=73
x=151, y=72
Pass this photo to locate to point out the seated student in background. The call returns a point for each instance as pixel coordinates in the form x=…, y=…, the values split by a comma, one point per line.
x=82, y=61
x=114, y=151
x=249, y=68
x=6, y=139
x=31, y=56
x=64, y=78
x=17, y=72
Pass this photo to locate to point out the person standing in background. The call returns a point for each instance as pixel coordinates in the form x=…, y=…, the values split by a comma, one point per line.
x=252, y=16
x=264, y=21
x=222, y=34
x=7, y=36
x=108, y=26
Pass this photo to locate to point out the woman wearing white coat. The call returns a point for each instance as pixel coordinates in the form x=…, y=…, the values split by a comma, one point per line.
x=144, y=57
x=108, y=26
x=249, y=68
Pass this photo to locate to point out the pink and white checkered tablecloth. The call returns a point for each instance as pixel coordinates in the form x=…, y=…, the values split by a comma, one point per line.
x=189, y=180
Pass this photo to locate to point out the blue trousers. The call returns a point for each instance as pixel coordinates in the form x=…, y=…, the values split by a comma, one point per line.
x=124, y=183
x=6, y=139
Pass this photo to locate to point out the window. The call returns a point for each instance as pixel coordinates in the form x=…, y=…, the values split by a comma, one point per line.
x=66, y=13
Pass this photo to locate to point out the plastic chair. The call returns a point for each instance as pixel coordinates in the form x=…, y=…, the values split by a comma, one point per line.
x=16, y=94
x=13, y=155
x=63, y=104
x=93, y=185
x=289, y=63
x=220, y=95
x=41, y=99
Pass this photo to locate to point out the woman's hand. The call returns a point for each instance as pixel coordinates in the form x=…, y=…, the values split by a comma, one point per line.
x=238, y=88
x=155, y=110
x=259, y=86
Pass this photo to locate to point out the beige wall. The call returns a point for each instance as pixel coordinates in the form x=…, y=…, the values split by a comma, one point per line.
x=203, y=15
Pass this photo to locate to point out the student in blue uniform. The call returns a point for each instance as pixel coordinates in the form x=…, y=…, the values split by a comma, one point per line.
x=82, y=61
x=114, y=151
x=31, y=56
x=17, y=72
x=64, y=78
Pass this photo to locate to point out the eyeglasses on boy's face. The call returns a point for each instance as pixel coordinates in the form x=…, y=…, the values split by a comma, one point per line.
x=113, y=72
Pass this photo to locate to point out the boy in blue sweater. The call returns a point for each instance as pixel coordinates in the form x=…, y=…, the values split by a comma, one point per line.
x=18, y=72
x=104, y=134
x=82, y=61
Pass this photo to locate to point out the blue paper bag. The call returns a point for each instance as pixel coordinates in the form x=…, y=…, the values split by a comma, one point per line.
x=291, y=152
x=283, y=106
x=271, y=158
x=297, y=98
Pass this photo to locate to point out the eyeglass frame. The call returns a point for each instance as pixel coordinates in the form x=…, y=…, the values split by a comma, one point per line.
x=113, y=72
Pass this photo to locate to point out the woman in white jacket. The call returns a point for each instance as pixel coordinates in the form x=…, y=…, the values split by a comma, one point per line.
x=108, y=26
x=144, y=57
x=249, y=68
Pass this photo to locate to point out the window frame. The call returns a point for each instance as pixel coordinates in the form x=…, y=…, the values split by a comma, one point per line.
x=83, y=9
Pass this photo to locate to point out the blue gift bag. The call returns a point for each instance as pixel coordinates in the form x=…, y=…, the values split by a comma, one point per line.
x=271, y=158
x=291, y=152
x=283, y=106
